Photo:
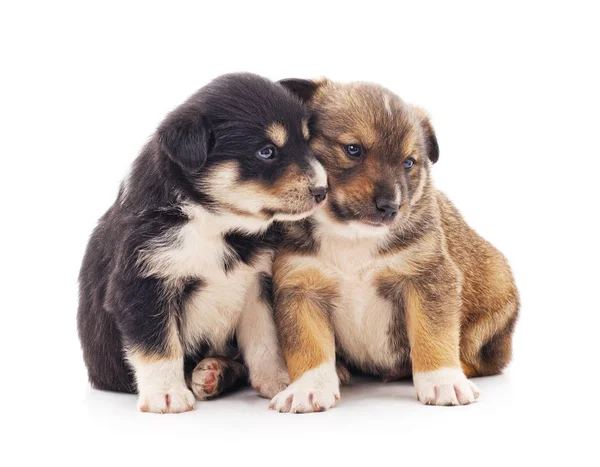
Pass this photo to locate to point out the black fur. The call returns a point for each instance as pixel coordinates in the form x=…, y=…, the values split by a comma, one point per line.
x=245, y=247
x=121, y=306
x=266, y=289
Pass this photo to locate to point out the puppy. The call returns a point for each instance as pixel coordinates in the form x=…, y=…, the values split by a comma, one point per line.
x=180, y=266
x=387, y=275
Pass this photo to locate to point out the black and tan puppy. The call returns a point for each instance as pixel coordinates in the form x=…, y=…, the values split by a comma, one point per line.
x=387, y=275
x=180, y=265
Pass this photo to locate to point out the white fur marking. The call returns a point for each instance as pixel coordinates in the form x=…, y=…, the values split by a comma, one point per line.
x=320, y=177
x=197, y=250
x=446, y=386
x=316, y=390
x=161, y=385
x=257, y=337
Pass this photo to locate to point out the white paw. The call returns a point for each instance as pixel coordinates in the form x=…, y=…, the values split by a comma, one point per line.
x=315, y=391
x=173, y=401
x=268, y=385
x=446, y=386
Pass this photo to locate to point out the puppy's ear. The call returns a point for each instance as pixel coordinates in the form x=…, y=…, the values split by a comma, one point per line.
x=186, y=139
x=302, y=88
x=431, y=144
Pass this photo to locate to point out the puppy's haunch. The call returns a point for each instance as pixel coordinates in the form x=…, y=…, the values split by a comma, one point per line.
x=181, y=263
x=387, y=275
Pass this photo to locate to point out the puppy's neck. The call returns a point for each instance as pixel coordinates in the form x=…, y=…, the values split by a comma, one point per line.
x=216, y=223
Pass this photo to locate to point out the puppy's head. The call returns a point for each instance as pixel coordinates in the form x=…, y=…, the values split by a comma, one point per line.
x=376, y=149
x=241, y=144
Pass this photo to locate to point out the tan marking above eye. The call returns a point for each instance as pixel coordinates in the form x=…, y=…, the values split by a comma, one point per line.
x=277, y=133
x=305, y=131
x=347, y=139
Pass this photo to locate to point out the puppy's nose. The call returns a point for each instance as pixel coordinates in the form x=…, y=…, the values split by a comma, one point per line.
x=386, y=207
x=319, y=193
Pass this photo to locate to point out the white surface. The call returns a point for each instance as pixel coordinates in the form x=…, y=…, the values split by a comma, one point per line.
x=514, y=97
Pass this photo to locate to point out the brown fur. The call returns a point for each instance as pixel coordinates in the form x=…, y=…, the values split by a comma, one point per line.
x=452, y=295
x=305, y=333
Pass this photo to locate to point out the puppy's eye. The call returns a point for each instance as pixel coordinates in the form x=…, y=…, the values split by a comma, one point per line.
x=353, y=150
x=266, y=153
x=408, y=163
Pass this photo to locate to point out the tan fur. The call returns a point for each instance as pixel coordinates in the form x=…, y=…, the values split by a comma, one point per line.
x=306, y=295
x=172, y=350
x=255, y=200
x=277, y=133
x=433, y=288
x=305, y=130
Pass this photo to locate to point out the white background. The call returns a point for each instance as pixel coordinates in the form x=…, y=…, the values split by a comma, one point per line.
x=513, y=93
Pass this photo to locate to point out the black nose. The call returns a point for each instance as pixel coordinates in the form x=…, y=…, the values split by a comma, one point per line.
x=319, y=192
x=386, y=207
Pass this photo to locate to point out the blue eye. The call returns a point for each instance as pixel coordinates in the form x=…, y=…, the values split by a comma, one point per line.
x=408, y=163
x=266, y=153
x=353, y=150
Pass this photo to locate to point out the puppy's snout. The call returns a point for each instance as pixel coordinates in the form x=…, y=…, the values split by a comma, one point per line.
x=387, y=207
x=319, y=193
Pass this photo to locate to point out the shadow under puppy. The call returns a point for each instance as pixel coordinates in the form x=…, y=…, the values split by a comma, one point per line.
x=387, y=274
x=180, y=265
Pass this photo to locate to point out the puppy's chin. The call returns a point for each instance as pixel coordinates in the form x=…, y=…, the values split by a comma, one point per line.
x=351, y=229
x=293, y=216
x=367, y=229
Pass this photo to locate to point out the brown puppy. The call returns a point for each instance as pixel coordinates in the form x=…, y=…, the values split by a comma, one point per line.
x=387, y=275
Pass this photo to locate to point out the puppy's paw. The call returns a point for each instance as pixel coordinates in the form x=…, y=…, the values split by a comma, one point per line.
x=207, y=378
x=175, y=400
x=268, y=385
x=315, y=391
x=446, y=386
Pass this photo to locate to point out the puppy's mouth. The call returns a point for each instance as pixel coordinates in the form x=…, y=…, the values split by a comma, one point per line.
x=379, y=224
x=347, y=215
x=290, y=215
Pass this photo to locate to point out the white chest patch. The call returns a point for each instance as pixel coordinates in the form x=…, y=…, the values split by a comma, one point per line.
x=198, y=250
x=362, y=319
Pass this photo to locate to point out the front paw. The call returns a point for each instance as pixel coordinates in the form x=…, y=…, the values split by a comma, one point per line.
x=175, y=400
x=268, y=385
x=315, y=391
x=446, y=386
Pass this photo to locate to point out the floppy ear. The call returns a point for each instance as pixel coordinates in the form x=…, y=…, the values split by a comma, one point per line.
x=302, y=88
x=431, y=144
x=185, y=138
x=432, y=147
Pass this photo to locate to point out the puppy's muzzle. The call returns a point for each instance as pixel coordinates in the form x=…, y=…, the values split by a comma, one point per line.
x=387, y=208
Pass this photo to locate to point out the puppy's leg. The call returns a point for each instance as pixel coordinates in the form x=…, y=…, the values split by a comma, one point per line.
x=147, y=318
x=215, y=376
x=432, y=304
x=257, y=338
x=160, y=381
x=489, y=319
x=304, y=298
x=486, y=346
